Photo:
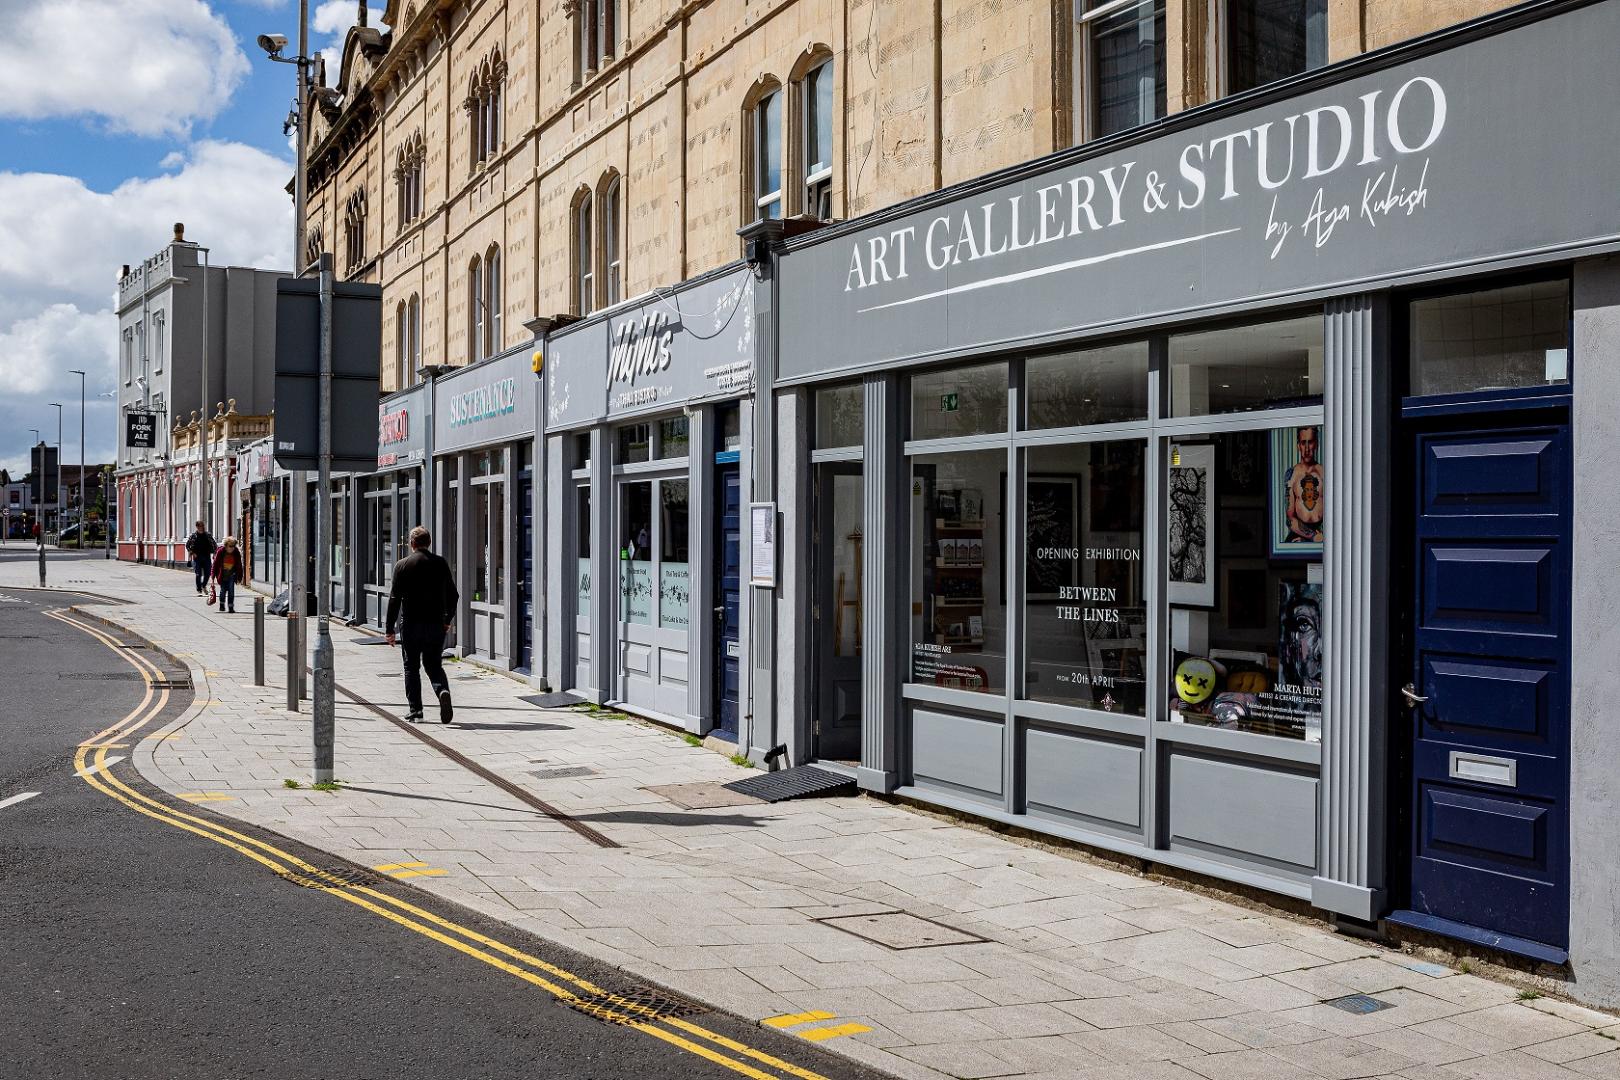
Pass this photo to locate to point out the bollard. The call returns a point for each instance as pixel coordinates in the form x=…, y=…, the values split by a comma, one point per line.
x=258, y=641
x=294, y=655
x=42, y=564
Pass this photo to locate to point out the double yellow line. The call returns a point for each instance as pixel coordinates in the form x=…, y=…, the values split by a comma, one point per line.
x=90, y=762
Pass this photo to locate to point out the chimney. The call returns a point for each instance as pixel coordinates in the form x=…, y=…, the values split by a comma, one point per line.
x=179, y=232
x=124, y=273
x=362, y=21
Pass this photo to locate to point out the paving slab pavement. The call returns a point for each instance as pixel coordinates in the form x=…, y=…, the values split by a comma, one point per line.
x=1063, y=967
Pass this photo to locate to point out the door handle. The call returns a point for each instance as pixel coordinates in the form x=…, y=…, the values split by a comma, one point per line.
x=1413, y=698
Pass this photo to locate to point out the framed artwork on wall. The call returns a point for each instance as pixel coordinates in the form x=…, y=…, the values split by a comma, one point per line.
x=1297, y=490
x=1190, y=512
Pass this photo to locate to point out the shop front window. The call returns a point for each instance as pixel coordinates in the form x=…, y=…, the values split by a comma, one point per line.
x=495, y=543
x=1085, y=609
x=635, y=443
x=1245, y=523
x=674, y=437
x=582, y=520
x=959, y=619
x=1107, y=385
x=1244, y=368
x=730, y=427
x=959, y=401
x=1497, y=339
x=481, y=553
x=636, y=553
x=840, y=416
x=674, y=569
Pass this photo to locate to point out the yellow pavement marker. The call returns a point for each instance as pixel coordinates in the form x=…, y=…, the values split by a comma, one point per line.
x=787, y=1020
x=838, y=1032
x=387, y=866
x=632, y=1014
x=206, y=796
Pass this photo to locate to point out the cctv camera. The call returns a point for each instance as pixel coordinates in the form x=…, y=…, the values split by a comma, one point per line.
x=273, y=43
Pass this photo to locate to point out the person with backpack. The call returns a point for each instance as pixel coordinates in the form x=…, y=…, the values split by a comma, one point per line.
x=424, y=586
x=201, y=547
x=229, y=568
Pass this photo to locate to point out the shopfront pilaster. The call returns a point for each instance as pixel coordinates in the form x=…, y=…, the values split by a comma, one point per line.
x=1356, y=584
x=884, y=589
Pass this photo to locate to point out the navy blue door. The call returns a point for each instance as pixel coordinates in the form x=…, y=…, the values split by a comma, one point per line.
x=1489, y=690
x=728, y=601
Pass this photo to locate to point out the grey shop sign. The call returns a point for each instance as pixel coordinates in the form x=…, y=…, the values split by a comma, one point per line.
x=489, y=403
x=689, y=344
x=1444, y=161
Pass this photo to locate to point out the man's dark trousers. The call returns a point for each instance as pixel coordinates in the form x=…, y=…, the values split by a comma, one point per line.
x=423, y=647
x=199, y=563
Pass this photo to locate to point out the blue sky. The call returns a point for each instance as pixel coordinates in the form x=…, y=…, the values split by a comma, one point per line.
x=117, y=119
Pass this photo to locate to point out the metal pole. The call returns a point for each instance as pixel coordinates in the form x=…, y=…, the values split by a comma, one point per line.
x=324, y=678
x=293, y=662
x=107, y=513
x=58, y=406
x=42, y=558
x=297, y=562
x=258, y=641
x=207, y=481
x=82, y=523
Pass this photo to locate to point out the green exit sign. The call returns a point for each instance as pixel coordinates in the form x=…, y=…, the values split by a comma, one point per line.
x=949, y=402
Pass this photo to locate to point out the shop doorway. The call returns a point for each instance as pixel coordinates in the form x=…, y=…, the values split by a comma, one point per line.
x=839, y=557
x=728, y=597
x=1486, y=698
x=654, y=594
x=525, y=510
x=1482, y=721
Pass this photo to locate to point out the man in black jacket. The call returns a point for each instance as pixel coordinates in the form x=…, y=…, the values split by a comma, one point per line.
x=424, y=586
x=201, y=547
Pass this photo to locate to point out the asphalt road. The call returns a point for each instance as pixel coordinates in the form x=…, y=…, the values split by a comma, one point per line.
x=131, y=948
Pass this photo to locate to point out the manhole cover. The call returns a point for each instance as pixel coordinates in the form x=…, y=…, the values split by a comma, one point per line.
x=635, y=1006
x=701, y=796
x=558, y=772
x=330, y=877
x=1360, y=1004
x=901, y=930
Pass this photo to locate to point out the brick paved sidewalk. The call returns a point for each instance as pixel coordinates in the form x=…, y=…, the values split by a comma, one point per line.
x=1081, y=971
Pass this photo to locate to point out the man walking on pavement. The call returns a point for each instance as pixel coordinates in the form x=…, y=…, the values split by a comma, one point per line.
x=424, y=586
x=201, y=547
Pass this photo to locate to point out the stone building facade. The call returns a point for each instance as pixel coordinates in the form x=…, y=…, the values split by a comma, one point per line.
x=464, y=149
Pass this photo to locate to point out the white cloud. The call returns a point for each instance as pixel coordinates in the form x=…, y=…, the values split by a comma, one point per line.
x=61, y=246
x=149, y=67
x=333, y=18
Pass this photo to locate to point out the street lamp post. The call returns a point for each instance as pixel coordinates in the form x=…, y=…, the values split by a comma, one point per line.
x=80, y=374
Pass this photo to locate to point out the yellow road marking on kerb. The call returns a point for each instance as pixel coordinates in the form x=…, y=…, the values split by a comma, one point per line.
x=823, y=1034
x=281, y=863
x=419, y=873
x=787, y=1020
x=387, y=866
x=206, y=796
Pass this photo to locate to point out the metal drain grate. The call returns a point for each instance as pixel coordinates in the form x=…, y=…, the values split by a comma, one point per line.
x=132, y=645
x=331, y=877
x=799, y=782
x=636, y=1006
x=1360, y=1004
x=171, y=684
x=104, y=676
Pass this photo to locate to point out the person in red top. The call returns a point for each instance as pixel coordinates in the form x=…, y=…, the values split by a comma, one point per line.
x=229, y=568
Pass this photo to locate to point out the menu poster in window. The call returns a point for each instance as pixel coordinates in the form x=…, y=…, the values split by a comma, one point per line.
x=1052, y=526
x=762, y=544
x=1298, y=493
x=1191, y=513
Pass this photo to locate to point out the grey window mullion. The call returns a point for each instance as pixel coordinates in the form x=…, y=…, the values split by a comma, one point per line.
x=1153, y=573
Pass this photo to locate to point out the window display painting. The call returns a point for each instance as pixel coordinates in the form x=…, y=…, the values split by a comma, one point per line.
x=1052, y=526
x=1299, y=652
x=1298, y=493
x=1191, y=514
